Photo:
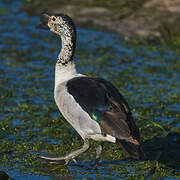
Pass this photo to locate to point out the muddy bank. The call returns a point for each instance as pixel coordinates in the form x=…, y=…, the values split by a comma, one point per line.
x=148, y=19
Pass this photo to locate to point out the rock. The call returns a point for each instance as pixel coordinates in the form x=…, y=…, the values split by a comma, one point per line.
x=147, y=22
x=150, y=19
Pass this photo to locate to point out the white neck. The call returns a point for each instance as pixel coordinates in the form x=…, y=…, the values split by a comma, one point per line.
x=64, y=72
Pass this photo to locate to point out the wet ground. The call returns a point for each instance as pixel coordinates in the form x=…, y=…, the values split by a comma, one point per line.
x=144, y=19
x=30, y=123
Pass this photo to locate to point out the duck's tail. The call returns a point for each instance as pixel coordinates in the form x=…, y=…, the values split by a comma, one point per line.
x=133, y=149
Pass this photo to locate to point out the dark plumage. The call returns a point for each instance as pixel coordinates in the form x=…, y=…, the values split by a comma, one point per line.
x=100, y=98
x=93, y=106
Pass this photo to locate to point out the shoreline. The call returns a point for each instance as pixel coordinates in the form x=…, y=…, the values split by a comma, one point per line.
x=151, y=21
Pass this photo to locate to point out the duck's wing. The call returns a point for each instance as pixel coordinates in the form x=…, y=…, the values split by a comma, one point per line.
x=107, y=106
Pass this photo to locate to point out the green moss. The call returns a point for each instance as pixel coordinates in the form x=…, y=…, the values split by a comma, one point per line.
x=30, y=123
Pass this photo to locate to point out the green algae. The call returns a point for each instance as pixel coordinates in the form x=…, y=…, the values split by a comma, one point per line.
x=30, y=123
x=38, y=130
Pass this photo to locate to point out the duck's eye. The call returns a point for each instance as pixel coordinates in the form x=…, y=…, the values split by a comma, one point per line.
x=53, y=18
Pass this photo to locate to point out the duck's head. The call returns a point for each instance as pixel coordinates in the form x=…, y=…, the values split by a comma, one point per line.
x=60, y=24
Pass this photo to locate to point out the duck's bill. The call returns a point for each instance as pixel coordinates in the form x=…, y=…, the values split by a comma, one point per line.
x=44, y=22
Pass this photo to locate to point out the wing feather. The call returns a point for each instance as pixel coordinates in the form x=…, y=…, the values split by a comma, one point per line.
x=101, y=99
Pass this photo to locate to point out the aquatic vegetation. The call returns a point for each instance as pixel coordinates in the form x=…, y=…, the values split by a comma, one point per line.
x=147, y=75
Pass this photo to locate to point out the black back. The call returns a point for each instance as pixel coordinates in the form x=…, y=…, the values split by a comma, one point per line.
x=105, y=104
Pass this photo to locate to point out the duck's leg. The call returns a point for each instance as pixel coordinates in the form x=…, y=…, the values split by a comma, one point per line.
x=98, y=153
x=68, y=157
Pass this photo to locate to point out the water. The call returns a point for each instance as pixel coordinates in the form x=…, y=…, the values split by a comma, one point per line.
x=31, y=124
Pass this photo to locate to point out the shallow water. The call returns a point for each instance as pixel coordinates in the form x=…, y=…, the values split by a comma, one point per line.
x=31, y=124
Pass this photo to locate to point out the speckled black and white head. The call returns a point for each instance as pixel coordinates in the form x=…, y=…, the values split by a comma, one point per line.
x=63, y=26
x=60, y=24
